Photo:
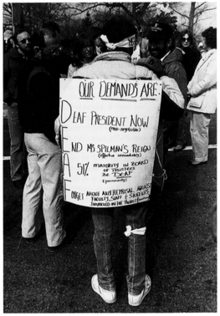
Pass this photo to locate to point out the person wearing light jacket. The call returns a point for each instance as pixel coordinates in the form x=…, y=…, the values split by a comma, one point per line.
x=119, y=38
x=203, y=92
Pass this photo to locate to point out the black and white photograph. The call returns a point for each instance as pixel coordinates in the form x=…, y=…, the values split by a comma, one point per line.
x=109, y=172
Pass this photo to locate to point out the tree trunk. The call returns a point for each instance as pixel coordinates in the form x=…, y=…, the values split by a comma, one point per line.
x=16, y=16
x=191, y=16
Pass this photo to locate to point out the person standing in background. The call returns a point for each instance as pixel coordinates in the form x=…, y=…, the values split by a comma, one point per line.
x=191, y=57
x=202, y=90
x=162, y=48
x=40, y=100
x=84, y=53
x=15, y=62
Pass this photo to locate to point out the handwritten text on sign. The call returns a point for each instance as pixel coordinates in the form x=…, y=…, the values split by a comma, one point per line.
x=108, y=134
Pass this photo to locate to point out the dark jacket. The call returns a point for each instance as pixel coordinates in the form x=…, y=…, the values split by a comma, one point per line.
x=14, y=65
x=39, y=94
x=191, y=58
x=39, y=102
x=172, y=64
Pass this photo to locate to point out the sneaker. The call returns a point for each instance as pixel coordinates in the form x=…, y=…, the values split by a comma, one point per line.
x=107, y=296
x=136, y=300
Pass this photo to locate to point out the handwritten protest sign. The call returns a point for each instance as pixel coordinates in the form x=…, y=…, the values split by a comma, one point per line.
x=108, y=135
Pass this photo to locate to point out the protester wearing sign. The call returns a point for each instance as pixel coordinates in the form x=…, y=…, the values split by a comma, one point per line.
x=39, y=95
x=119, y=36
x=161, y=46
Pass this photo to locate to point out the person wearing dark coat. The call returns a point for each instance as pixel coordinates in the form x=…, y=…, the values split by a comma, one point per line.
x=15, y=62
x=162, y=48
x=191, y=56
x=40, y=107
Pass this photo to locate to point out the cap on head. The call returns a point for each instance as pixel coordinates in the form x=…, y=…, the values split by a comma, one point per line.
x=160, y=30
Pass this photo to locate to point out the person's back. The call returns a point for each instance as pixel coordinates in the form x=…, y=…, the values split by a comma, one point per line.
x=40, y=90
x=113, y=65
x=44, y=183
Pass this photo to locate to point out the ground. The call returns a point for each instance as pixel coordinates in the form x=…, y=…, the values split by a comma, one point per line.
x=181, y=251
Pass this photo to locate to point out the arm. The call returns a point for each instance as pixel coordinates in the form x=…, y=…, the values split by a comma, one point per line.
x=170, y=86
x=208, y=81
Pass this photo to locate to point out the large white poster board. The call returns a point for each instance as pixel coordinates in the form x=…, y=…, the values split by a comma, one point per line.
x=108, y=136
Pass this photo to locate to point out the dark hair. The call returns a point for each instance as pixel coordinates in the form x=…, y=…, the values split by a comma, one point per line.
x=82, y=42
x=117, y=28
x=18, y=31
x=184, y=32
x=52, y=27
x=210, y=37
x=37, y=39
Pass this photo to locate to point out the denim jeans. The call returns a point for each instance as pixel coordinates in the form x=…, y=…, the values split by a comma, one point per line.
x=199, y=130
x=43, y=186
x=103, y=224
x=17, y=148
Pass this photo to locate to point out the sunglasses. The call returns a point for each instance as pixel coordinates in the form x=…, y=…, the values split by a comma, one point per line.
x=25, y=40
x=184, y=39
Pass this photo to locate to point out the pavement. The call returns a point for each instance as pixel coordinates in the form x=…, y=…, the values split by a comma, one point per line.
x=181, y=254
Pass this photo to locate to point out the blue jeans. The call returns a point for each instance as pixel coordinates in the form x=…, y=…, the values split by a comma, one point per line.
x=17, y=148
x=103, y=224
x=43, y=186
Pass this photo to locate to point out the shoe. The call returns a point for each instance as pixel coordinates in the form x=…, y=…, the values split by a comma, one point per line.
x=179, y=147
x=67, y=239
x=136, y=300
x=194, y=163
x=107, y=296
x=32, y=239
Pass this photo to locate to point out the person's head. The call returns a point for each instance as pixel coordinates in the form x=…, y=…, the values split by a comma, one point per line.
x=186, y=39
x=120, y=31
x=51, y=34
x=22, y=41
x=86, y=48
x=160, y=39
x=37, y=41
x=99, y=45
x=209, y=40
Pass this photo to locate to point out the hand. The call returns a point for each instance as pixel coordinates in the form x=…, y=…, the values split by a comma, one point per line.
x=57, y=126
x=153, y=64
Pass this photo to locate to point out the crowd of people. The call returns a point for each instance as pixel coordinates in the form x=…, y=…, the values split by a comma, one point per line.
x=32, y=69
